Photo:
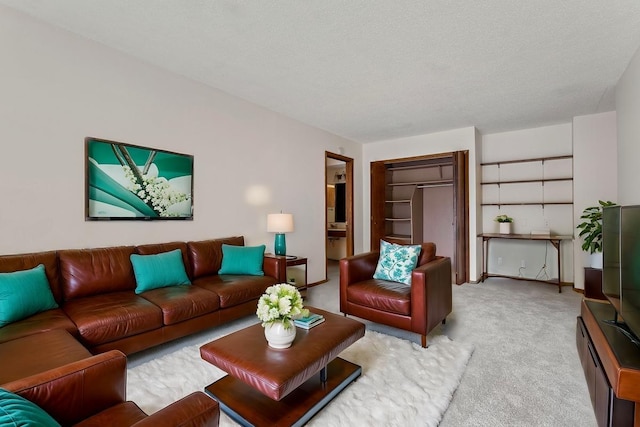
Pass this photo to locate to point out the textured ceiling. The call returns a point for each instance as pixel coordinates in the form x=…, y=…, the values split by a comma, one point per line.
x=374, y=70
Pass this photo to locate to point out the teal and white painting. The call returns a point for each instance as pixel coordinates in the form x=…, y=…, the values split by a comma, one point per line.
x=127, y=181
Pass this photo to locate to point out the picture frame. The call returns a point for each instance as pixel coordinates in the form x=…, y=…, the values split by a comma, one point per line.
x=132, y=182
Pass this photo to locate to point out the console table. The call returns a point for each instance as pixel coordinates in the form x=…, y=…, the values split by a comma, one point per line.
x=553, y=239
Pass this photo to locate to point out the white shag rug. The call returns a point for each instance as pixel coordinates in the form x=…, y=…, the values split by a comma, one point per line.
x=402, y=384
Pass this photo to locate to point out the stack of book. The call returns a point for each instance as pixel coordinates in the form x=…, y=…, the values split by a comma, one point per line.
x=313, y=319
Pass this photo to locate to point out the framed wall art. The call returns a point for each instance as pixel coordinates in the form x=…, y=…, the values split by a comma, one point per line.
x=131, y=182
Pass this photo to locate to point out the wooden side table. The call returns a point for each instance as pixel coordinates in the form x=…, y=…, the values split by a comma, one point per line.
x=293, y=261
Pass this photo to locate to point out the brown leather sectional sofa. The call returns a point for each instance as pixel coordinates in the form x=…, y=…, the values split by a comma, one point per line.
x=95, y=291
x=47, y=358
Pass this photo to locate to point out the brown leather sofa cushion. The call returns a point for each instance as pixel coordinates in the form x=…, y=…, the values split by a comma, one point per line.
x=391, y=297
x=179, y=303
x=234, y=290
x=41, y=322
x=24, y=356
x=122, y=414
x=87, y=272
x=206, y=255
x=112, y=316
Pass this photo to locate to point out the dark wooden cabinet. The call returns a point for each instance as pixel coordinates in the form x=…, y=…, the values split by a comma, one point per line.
x=597, y=357
x=593, y=283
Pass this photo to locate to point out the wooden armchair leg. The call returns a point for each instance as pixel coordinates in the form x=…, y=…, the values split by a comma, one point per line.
x=424, y=341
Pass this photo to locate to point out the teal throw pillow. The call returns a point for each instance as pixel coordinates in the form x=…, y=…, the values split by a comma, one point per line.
x=16, y=411
x=396, y=262
x=159, y=270
x=246, y=260
x=24, y=293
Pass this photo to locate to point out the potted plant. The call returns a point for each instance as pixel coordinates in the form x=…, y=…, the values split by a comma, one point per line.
x=505, y=223
x=591, y=231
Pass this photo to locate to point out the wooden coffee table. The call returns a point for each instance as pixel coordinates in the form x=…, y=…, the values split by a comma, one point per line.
x=272, y=387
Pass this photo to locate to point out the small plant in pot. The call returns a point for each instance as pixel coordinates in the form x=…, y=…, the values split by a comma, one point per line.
x=591, y=231
x=505, y=223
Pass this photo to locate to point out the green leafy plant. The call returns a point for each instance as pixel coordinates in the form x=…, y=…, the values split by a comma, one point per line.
x=504, y=218
x=592, y=227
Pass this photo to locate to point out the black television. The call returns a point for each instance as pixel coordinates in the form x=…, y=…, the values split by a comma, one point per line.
x=131, y=182
x=621, y=266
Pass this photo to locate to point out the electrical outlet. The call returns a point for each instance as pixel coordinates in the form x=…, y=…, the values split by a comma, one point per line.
x=499, y=260
x=523, y=264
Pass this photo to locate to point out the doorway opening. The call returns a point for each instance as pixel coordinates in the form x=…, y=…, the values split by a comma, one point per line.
x=338, y=208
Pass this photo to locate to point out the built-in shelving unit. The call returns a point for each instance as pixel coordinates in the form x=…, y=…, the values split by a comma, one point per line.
x=404, y=183
x=519, y=181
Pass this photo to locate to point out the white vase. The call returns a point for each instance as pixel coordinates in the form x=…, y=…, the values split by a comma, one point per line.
x=505, y=227
x=278, y=336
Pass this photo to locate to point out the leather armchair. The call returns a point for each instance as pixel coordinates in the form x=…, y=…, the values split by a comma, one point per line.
x=417, y=308
x=92, y=392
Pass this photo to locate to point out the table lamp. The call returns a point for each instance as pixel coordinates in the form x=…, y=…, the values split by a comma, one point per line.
x=280, y=223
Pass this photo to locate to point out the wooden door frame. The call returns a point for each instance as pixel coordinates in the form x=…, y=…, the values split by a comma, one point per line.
x=349, y=203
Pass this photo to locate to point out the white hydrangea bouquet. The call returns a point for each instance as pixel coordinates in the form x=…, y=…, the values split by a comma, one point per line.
x=282, y=303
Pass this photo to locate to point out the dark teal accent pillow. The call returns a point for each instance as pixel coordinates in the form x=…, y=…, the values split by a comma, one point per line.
x=159, y=270
x=246, y=260
x=16, y=411
x=24, y=293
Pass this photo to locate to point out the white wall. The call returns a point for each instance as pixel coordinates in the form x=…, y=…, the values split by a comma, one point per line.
x=58, y=88
x=540, y=258
x=442, y=142
x=595, y=174
x=628, y=112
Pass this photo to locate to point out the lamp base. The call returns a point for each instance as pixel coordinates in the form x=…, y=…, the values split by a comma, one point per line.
x=280, y=244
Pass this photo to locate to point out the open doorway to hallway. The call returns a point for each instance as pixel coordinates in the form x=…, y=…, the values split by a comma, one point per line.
x=338, y=207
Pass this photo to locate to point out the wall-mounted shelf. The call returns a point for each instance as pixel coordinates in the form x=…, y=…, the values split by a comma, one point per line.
x=522, y=181
x=537, y=159
x=527, y=204
x=514, y=180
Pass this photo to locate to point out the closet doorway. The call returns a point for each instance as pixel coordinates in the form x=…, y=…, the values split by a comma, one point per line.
x=424, y=199
x=338, y=208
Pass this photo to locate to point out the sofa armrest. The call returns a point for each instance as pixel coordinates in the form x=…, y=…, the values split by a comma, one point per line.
x=275, y=267
x=194, y=410
x=431, y=299
x=77, y=390
x=354, y=269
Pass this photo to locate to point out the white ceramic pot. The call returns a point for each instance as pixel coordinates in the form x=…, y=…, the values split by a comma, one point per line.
x=505, y=227
x=278, y=336
x=596, y=260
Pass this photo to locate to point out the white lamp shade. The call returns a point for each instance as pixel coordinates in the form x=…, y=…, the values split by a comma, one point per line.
x=280, y=223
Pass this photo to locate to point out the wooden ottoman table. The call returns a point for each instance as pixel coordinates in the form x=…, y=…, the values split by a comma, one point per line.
x=279, y=387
